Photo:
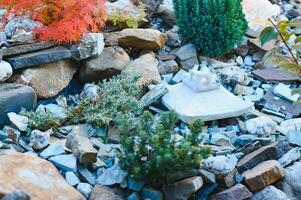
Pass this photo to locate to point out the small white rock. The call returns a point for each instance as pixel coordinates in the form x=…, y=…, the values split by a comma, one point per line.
x=21, y=122
x=39, y=139
x=85, y=189
x=262, y=126
x=5, y=71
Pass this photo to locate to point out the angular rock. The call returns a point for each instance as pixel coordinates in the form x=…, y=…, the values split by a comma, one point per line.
x=221, y=140
x=207, y=176
x=85, y=189
x=284, y=91
x=269, y=193
x=14, y=97
x=154, y=94
x=71, y=178
x=263, y=175
x=270, y=152
x=220, y=164
x=227, y=180
x=40, y=140
x=49, y=79
x=124, y=8
x=109, y=63
x=183, y=189
x=91, y=45
x=5, y=71
x=233, y=75
x=53, y=109
x=26, y=48
x=150, y=193
x=112, y=176
x=64, y=162
x=81, y=148
x=290, y=157
x=149, y=72
x=243, y=90
x=261, y=126
x=20, y=23
x=168, y=67
x=22, y=36
x=135, y=185
x=237, y=192
x=102, y=192
x=142, y=39
x=53, y=149
x=293, y=137
x=86, y=175
x=39, y=58
x=35, y=176
x=290, y=108
x=292, y=181
x=166, y=11
x=186, y=56
x=290, y=125
x=19, y=121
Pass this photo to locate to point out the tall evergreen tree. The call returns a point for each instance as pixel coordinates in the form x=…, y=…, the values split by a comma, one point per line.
x=214, y=26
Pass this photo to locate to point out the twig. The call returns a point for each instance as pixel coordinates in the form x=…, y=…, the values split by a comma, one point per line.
x=287, y=46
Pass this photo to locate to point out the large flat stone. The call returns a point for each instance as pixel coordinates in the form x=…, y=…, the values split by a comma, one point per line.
x=263, y=175
x=275, y=75
x=13, y=97
x=35, y=176
x=206, y=106
x=26, y=48
x=40, y=57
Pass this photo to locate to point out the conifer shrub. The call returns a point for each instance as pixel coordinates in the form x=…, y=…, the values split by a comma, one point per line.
x=152, y=150
x=214, y=26
x=116, y=96
x=64, y=21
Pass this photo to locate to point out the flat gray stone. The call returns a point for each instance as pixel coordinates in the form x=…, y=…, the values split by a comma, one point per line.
x=64, y=162
x=54, y=149
x=284, y=91
x=40, y=57
x=26, y=48
x=206, y=106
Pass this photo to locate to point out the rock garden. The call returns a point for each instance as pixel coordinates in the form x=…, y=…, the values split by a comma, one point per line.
x=150, y=99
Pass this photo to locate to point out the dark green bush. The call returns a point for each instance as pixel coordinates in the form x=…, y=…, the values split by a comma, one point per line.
x=153, y=152
x=214, y=26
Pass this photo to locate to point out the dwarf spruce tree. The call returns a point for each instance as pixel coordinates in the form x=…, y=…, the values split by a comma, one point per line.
x=214, y=26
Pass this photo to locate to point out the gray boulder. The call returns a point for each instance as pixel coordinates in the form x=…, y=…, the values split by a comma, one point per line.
x=14, y=97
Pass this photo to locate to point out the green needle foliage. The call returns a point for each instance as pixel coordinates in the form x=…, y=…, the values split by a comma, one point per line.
x=153, y=152
x=117, y=96
x=214, y=26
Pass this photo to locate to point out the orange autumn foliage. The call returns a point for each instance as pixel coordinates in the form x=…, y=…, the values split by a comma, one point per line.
x=64, y=21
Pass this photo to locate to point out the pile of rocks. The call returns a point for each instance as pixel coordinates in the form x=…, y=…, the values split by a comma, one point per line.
x=255, y=155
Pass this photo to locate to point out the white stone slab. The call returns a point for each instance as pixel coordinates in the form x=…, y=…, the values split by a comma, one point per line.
x=207, y=106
